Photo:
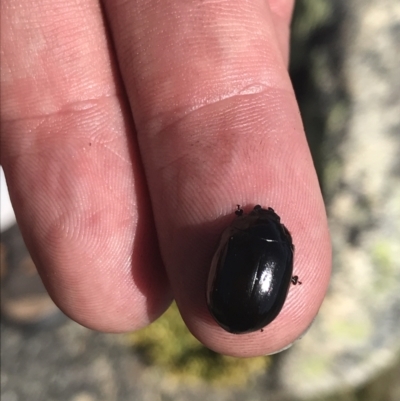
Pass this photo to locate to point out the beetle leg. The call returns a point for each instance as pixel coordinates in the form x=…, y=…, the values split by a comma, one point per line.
x=239, y=211
x=295, y=280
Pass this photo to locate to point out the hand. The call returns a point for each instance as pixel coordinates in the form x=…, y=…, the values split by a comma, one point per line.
x=130, y=134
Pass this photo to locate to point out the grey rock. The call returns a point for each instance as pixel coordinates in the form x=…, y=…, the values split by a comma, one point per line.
x=357, y=332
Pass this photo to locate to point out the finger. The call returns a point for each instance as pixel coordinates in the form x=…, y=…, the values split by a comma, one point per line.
x=72, y=166
x=218, y=125
x=281, y=14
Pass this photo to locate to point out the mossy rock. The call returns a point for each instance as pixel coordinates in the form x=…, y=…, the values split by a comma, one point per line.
x=168, y=344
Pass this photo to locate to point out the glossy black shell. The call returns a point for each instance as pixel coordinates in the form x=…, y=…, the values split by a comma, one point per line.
x=251, y=272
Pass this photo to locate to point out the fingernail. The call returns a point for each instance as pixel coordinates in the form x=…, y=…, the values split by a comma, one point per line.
x=299, y=338
x=282, y=349
x=306, y=330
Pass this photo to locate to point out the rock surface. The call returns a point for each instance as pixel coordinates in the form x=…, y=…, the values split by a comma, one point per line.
x=356, y=75
x=72, y=363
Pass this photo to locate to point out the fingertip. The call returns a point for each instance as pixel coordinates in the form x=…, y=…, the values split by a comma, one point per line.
x=299, y=311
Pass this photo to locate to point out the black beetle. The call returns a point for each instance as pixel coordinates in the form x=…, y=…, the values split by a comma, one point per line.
x=251, y=271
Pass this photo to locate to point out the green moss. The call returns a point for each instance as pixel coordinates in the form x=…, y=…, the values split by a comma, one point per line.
x=311, y=15
x=339, y=113
x=382, y=254
x=355, y=330
x=332, y=175
x=167, y=343
x=315, y=365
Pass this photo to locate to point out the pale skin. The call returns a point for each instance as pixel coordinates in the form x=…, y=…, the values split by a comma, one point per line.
x=127, y=145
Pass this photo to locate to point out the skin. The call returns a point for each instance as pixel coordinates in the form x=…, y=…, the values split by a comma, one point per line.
x=130, y=132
